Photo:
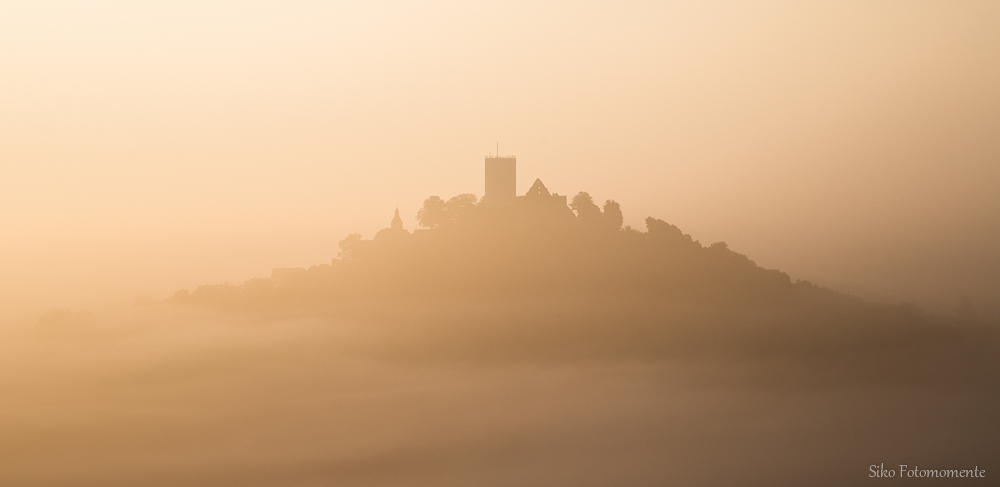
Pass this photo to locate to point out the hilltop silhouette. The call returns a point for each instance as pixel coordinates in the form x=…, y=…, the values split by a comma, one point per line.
x=500, y=245
x=543, y=275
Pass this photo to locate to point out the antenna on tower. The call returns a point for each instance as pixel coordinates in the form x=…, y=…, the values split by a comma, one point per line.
x=498, y=148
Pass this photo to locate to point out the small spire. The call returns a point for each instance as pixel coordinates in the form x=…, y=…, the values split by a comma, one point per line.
x=397, y=222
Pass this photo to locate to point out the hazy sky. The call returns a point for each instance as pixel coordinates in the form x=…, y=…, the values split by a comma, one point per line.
x=151, y=146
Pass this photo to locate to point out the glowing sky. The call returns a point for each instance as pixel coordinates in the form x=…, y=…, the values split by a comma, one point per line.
x=150, y=146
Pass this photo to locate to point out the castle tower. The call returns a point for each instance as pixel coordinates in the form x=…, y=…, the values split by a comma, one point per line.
x=501, y=181
x=397, y=222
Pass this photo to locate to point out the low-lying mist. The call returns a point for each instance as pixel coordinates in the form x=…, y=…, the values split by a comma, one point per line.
x=167, y=395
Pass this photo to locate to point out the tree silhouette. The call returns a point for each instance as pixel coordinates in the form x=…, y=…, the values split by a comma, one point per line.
x=586, y=210
x=613, y=214
x=431, y=215
x=437, y=212
x=661, y=231
x=349, y=247
x=460, y=208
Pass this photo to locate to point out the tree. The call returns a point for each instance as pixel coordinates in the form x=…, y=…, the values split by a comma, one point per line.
x=660, y=231
x=460, y=208
x=586, y=210
x=349, y=247
x=613, y=215
x=432, y=214
x=437, y=212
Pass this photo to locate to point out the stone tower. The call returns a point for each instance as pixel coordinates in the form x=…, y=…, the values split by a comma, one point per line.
x=501, y=181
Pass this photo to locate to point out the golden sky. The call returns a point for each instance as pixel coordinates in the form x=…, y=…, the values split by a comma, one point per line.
x=151, y=146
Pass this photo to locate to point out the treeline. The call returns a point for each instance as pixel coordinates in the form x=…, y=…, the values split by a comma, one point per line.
x=470, y=251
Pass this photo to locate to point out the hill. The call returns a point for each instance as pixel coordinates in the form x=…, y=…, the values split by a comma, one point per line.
x=537, y=281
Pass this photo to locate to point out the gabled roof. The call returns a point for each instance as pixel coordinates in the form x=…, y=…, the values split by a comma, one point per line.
x=538, y=189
